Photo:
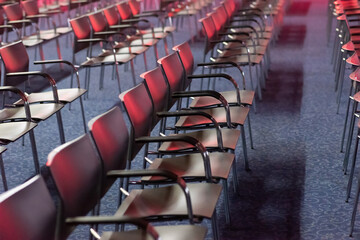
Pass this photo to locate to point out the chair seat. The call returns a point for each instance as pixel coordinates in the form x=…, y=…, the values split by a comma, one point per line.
x=186, y=12
x=246, y=97
x=11, y=131
x=157, y=35
x=353, y=60
x=179, y=232
x=192, y=165
x=238, y=116
x=261, y=34
x=349, y=46
x=44, y=35
x=31, y=41
x=260, y=42
x=108, y=57
x=242, y=59
x=65, y=96
x=207, y=137
x=146, y=42
x=170, y=201
x=355, y=75
x=260, y=50
x=39, y=112
x=137, y=50
x=2, y=149
x=167, y=29
x=63, y=30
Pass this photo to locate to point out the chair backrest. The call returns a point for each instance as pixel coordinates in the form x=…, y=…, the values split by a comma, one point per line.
x=15, y=59
x=139, y=108
x=13, y=12
x=124, y=10
x=98, y=21
x=221, y=11
x=186, y=56
x=210, y=33
x=135, y=6
x=174, y=72
x=28, y=212
x=218, y=20
x=112, y=15
x=30, y=7
x=82, y=30
x=111, y=138
x=76, y=170
x=230, y=7
x=158, y=89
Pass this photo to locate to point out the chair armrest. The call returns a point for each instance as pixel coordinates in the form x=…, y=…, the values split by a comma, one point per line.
x=233, y=64
x=42, y=74
x=137, y=20
x=202, y=150
x=122, y=26
x=203, y=93
x=22, y=96
x=114, y=219
x=89, y=40
x=158, y=172
x=74, y=67
x=220, y=75
x=194, y=113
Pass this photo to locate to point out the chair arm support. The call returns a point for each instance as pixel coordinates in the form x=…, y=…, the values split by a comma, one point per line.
x=74, y=67
x=158, y=172
x=89, y=40
x=22, y=96
x=233, y=64
x=122, y=26
x=137, y=20
x=202, y=150
x=109, y=33
x=42, y=74
x=114, y=219
x=221, y=75
x=203, y=93
x=198, y=113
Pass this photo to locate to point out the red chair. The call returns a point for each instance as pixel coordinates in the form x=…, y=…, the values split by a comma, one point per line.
x=77, y=173
x=30, y=213
x=16, y=62
x=140, y=111
x=227, y=117
x=83, y=39
x=101, y=29
x=237, y=97
x=240, y=59
x=160, y=15
x=11, y=131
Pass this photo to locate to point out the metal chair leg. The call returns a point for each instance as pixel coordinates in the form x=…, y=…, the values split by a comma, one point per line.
x=61, y=127
x=3, y=176
x=350, y=136
x=34, y=151
x=244, y=148
x=355, y=208
x=226, y=201
x=352, y=170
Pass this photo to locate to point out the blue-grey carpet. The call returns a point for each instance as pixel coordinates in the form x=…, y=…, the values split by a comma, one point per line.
x=296, y=189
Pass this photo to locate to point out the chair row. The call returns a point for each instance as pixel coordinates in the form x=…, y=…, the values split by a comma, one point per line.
x=17, y=71
x=345, y=51
x=210, y=160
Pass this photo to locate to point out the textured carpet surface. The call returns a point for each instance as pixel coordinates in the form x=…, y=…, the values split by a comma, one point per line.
x=296, y=187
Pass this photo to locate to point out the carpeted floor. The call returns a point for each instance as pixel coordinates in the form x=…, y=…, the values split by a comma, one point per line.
x=296, y=187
